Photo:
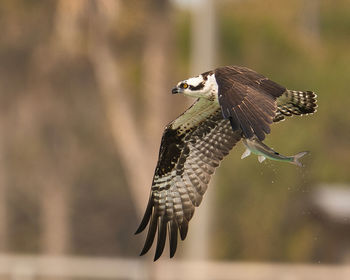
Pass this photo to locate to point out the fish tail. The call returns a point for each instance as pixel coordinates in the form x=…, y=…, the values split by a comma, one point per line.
x=297, y=157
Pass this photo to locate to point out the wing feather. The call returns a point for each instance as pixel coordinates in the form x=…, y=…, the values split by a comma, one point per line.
x=152, y=229
x=259, y=128
x=162, y=231
x=146, y=217
x=183, y=228
x=192, y=147
x=173, y=230
x=262, y=115
x=238, y=88
x=244, y=122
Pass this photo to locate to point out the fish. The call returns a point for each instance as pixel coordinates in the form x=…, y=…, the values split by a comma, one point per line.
x=255, y=146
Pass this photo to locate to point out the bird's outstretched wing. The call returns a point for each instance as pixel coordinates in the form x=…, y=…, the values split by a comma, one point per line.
x=247, y=99
x=192, y=147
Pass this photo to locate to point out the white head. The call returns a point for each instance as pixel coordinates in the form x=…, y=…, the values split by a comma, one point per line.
x=202, y=86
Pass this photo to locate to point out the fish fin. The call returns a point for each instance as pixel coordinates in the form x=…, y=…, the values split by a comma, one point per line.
x=297, y=157
x=246, y=153
x=261, y=158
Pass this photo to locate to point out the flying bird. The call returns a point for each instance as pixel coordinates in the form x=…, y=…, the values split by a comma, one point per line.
x=232, y=103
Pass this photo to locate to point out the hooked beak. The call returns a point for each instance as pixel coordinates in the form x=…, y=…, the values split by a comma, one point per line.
x=176, y=90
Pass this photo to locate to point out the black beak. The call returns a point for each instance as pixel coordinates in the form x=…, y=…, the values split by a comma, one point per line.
x=175, y=90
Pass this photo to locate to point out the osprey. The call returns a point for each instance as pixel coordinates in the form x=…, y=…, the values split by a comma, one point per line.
x=232, y=103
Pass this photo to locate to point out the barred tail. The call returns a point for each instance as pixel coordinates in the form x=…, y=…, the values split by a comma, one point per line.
x=294, y=102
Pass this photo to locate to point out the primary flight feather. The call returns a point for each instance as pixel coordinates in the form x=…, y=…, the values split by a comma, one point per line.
x=232, y=103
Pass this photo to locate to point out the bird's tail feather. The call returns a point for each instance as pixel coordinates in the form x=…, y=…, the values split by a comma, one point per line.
x=294, y=102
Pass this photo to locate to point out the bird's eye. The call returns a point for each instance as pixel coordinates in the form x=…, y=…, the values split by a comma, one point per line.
x=185, y=85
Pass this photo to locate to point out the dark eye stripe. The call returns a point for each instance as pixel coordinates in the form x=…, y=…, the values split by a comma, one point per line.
x=200, y=86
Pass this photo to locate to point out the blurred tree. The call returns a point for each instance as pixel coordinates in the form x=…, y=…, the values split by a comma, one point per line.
x=156, y=65
x=203, y=58
x=135, y=140
x=3, y=190
x=56, y=185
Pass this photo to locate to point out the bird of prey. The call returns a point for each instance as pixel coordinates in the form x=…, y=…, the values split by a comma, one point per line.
x=232, y=103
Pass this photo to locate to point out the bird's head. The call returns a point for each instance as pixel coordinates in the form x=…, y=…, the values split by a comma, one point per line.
x=203, y=85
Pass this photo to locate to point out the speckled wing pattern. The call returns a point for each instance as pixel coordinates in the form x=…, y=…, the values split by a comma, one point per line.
x=192, y=147
x=293, y=102
x=247, y=99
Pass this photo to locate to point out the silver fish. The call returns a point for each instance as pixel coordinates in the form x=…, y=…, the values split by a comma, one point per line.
x=263, y=151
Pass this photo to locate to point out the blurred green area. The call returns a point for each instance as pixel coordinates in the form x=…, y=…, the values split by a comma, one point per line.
x=261, y=212
x=268, y=220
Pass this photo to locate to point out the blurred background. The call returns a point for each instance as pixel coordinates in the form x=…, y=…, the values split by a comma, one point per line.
x=85, y=93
